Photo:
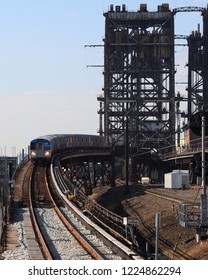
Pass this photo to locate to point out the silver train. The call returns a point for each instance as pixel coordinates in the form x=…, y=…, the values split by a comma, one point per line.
x=44, y=147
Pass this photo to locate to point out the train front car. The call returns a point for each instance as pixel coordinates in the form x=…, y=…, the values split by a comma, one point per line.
x=40, y=150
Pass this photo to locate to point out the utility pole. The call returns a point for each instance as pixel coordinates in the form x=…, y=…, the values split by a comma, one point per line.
x=157, y=225
x=198, y=219
x=127, y=157
x=203, y=184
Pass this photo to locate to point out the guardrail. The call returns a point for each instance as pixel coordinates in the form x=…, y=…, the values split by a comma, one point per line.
x=20, y=166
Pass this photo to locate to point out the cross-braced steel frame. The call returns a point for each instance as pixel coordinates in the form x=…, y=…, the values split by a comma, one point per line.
x=139, y=77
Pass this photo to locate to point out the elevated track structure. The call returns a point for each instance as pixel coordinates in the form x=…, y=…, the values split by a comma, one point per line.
x=88, y=168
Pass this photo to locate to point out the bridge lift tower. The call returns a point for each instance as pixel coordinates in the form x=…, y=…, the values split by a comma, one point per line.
x=139, y=78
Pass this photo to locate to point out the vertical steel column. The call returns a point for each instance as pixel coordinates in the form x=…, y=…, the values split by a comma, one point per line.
x=203, y=185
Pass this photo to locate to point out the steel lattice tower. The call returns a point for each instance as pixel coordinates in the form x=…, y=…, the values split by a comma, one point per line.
x=139, y=77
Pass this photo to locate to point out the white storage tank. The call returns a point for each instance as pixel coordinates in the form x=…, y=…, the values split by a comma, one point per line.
x=177, y=179
x=145, y=180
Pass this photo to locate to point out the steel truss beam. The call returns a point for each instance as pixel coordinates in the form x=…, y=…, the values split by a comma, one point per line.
x=90, y=172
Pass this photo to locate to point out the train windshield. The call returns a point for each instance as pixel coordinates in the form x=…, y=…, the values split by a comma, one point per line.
x=47, y=145
x=40, y=144
x=32, y=145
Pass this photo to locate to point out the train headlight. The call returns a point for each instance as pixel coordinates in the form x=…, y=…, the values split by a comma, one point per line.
x=33, y=153
x=47, y=153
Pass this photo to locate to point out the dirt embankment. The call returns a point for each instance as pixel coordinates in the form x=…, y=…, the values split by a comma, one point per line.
x=141, y=206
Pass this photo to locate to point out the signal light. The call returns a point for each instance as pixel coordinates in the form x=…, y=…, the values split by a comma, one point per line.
x=74, y=175
x=197, y=164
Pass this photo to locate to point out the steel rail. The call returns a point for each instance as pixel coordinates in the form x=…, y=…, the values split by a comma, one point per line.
x=90, y=250
x=44, y=248
x=115, y=245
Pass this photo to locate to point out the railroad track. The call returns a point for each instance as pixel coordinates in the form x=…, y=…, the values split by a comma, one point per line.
x=165, y=245
x=52, y=228
x=174, y=198
x=39, y=197
x=41, y=200
x=120, y=250
x=106, y=218
x=148, y=231
x=44, y=209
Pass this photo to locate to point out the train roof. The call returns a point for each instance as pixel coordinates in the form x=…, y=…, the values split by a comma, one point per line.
x=52, y=136
x=39, y=138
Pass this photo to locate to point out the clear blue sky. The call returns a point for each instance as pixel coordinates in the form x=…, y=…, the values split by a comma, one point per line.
x=46, y=86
